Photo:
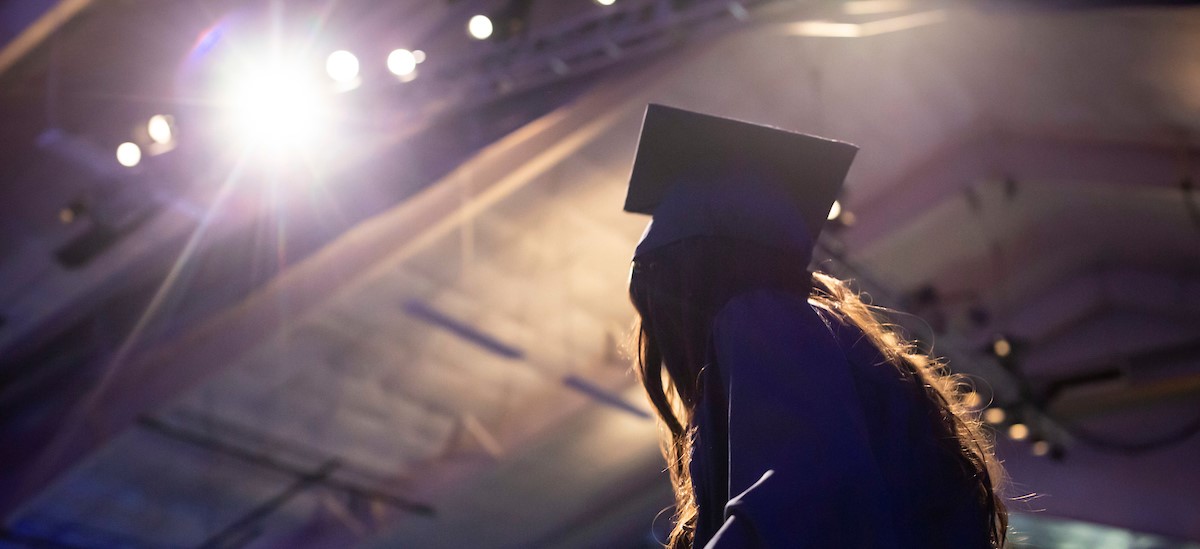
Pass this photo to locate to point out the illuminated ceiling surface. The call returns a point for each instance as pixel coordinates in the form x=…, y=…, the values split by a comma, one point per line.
x=460, y=346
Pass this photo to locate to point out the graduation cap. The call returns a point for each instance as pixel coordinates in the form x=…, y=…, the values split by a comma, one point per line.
x=698, y=174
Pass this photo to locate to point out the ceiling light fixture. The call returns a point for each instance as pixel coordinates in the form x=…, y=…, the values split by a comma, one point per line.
x=342, y=66
x=402, y=63
x=480, y=27
x=129, y=154
x=160, y=129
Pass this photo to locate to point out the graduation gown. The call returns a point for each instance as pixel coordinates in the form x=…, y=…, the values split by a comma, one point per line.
x=807, y=437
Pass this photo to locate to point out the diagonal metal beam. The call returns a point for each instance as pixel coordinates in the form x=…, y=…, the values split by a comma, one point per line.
x=983, y=155
x=39, y=29
x=260, y=459
x=239, y=533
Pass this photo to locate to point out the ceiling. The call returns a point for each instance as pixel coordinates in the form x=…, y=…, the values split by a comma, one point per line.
x=427, y=349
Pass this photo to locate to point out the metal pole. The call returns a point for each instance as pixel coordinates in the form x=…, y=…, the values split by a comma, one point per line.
x=237, y=534
x=216, y=444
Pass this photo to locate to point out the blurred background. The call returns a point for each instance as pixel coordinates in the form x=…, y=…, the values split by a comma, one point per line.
x=351, y=273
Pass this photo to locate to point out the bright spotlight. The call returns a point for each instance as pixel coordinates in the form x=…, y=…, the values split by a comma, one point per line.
x=402, y=62
x=480, y=27
x=342, y=66
x=129, y=154
x=1018, y=431
x=972, y=399
x=994, y=416
x=419, y=55
x=605, y=2
x=275, y=106
x=159, y=129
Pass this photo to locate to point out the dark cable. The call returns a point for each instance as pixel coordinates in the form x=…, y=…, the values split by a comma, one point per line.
x=1189, y=200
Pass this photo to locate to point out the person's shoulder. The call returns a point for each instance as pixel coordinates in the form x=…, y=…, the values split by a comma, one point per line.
x=764, y=304
x=766, y=312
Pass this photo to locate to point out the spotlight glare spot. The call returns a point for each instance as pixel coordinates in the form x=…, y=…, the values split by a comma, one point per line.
x=1018, y=431
x=342, y=66
x=419, y=55
x=401, y=62
x=605, y=2
x=480, y=27
x=972, y=399
x=994, y=416
x=159, y=129
x=129, y=154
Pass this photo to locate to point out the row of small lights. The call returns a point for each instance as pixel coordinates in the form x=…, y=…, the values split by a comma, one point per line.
x=159, y=128
x=342, y=66
x=996, y=416
x=1002, y=348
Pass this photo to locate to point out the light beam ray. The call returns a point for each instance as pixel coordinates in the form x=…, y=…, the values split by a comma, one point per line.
x=80, y=417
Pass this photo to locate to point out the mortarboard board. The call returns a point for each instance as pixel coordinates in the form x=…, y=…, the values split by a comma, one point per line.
x=690, y=160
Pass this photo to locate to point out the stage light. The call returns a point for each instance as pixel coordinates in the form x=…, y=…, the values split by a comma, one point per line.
x=832, y=29
x=1040, y=448
x=129, y=154
x=994, y=416
x=480, y=27
x=419, y=56
x=972, y=399
x=342, y=66
x=834, y=211
x=402, y=63
x=160, y=129
x=1001, y=346
x=1018, y=431
x=274, y=106
x=605, y=2
x=874, y=7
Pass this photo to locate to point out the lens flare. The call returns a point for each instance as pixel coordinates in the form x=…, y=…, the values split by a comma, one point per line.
x=275, y=107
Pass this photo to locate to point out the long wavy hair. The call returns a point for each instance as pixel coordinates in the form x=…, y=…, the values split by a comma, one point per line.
x=677, y=291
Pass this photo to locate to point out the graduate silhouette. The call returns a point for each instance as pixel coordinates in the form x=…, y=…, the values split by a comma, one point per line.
x=794, y=417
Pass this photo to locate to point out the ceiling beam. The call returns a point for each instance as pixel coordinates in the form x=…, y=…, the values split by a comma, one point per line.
x=45, y=19
x=981, y=156
x=1051, y=313
x=1118, y=397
